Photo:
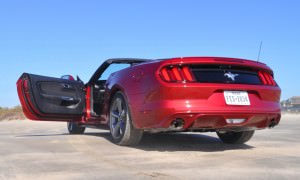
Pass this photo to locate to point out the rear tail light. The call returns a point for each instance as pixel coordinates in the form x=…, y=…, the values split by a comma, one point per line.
x=187, y=74
x=266, y=78
x=178, y=76
x=176, y=73
x=165, y=74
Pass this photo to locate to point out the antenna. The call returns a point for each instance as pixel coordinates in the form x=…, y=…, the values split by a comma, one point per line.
x=259, y=51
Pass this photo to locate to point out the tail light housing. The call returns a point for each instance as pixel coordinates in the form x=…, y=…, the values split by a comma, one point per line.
x=266, y=78
x=176, y=73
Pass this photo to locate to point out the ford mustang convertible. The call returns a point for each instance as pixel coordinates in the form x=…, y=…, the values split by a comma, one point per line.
x=229, y=96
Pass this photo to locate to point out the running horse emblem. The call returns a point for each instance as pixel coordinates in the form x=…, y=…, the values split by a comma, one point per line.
x=231, y=76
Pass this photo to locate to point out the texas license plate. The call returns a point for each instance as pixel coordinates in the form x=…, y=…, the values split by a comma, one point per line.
x=236, y=98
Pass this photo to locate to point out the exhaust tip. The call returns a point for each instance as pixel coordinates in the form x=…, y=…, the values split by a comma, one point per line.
x=177, y=124
x=272, y=123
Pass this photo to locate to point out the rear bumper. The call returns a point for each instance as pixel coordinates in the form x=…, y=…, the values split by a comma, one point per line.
x=219, y=121
x=198, y=115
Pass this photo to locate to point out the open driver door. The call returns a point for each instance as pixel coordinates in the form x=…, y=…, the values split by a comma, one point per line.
x=51, y=99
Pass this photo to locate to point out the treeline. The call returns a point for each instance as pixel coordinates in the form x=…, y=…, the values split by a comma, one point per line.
x=14, y=113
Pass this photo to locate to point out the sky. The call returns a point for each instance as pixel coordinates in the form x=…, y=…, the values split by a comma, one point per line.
x=55, y=37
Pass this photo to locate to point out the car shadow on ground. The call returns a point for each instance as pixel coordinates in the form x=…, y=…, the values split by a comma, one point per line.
x=40, y=135
x=180, y=142
x=169, y=142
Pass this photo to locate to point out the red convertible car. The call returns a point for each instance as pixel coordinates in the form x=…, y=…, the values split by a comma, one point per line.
x=229, y=96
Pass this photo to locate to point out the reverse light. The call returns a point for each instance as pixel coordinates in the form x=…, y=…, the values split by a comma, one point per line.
x=176, y=73
x=235, y=121
x=266, y=78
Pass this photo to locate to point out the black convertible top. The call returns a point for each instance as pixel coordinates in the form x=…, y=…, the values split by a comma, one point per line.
x=126, y=60
x=106, y=63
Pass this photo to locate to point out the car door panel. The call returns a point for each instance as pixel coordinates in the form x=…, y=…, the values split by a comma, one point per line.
x=47, y=98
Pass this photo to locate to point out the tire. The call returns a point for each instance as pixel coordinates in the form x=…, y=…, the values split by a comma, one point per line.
x=75, y=128
x=121, y=128
x=231, y=137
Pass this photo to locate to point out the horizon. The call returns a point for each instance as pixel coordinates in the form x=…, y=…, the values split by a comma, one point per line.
x=54, y=38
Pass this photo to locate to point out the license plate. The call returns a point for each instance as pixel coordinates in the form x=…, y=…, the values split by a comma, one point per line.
x=236, y=98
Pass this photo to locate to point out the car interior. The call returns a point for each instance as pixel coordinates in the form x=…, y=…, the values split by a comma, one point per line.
x=98, y=88
x=98, y=96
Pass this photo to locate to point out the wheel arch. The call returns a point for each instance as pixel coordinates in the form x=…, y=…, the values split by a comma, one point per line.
x=114, y=90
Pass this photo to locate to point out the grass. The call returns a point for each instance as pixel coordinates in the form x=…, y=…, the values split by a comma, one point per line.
x=14, y=113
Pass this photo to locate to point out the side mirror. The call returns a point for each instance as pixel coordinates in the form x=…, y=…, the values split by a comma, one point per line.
x=78, y=79
x=68, y=77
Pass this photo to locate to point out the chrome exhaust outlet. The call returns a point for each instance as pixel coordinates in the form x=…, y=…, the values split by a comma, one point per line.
x=272, y=124
x=177, y=124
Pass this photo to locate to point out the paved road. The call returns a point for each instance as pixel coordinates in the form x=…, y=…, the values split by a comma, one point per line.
x=44, y=150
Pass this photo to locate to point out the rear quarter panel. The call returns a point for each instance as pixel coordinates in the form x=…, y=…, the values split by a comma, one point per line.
x=135, y=82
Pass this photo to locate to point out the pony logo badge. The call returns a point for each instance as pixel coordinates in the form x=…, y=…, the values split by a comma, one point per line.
x=231, y=76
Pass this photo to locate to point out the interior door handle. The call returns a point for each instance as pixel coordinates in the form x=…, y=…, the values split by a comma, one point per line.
x=67, y=86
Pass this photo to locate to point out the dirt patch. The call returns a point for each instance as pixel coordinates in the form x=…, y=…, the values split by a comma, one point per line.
x=14, y=113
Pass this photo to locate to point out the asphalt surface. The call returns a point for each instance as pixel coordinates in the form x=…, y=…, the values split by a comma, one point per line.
x=44, y=150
